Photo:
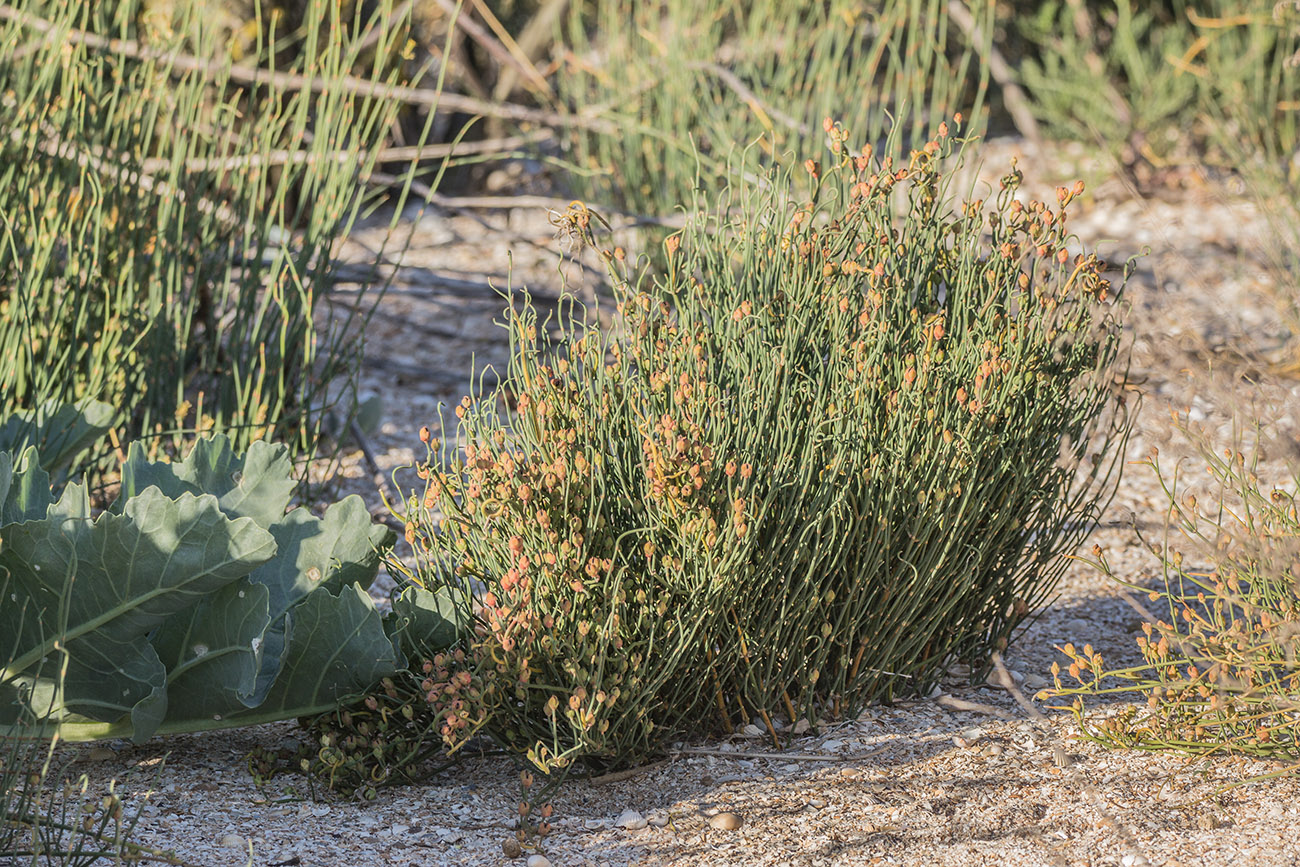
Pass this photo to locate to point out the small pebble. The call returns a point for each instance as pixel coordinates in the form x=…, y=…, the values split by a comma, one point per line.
x=725, y=821
x=850, y=773
x=658, y=820
x=801, y=726
x=630, y=820
x=992, y=750
x=511, y=849
x=1034, y=682
x=817, y=803
x=832, y=746
x=538, y=861
x=102, y=754
x=995, y=678
x=231, y=841
x=751, y=731
x=1133, y=860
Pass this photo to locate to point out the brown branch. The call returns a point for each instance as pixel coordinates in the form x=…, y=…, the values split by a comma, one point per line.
x=620, y=776
x=764, y=112
x=511, y=202
x=429, y=97
x=1012, y=94
x=394, y=154
x=778, y=757
x=531, y=40
x=492, y=45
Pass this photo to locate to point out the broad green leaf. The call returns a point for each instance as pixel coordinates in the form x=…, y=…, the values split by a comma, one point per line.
x=426, y=622
x=258, y=485
x=24, y=487
x=213, y=652
x=337, y=649
x=330, y=552
x=102, y=586
x=61, y=433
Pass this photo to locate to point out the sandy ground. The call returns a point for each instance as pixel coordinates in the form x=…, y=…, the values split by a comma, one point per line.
x=962, y=778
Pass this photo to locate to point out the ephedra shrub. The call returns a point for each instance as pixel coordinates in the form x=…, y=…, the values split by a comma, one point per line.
x=837, y=446
x=1218, y=645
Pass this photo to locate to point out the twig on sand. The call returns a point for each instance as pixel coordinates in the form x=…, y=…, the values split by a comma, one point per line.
x=620, y=776
x=778, y=757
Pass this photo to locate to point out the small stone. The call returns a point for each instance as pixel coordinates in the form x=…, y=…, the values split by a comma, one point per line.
x=658, y=820
x=1206, y=822
x=320, y=811
x=992, y=750
x=511, y=849
x=1034, y=682
x=1078, y=628
x=102, y=754
x=801, y=726
x=817, y=803
x=594, y=824
x=727, y=821
x=850, y=773
x=630, y=820
x=751, y=731
x=997, y=679
x=832, y=746
x=538, y=861
x=961, y=742
x=231, y=841
x=1134, y=860
x=398, y=830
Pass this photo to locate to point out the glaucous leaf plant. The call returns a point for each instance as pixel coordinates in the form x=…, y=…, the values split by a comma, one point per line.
x=195, y=602
x=837, y=445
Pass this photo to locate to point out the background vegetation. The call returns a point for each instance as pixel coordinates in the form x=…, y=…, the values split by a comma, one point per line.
x=175, y=179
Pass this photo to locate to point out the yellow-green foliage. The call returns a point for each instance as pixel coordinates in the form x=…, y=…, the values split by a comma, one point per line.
x=167, y=221
x=828, y=452
x=690, y=85
x=1218, y=665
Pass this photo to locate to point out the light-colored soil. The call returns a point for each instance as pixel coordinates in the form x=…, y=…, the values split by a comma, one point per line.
x=916, y=783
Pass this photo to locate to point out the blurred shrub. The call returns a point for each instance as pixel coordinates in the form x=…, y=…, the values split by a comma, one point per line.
x=687, y=86
x=834, y=448
x=1101, y=72
x=1155, y=82
x=1253, y=121
x=167, y=222
x=1218, y=664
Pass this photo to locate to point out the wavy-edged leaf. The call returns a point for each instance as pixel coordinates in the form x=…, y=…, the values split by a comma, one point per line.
x=337, y=649
x=101, y=586
x=426, y=622
x=213, y=652
x=60, y=432
x=24, y=487
x=257, y=485
x=328, y=553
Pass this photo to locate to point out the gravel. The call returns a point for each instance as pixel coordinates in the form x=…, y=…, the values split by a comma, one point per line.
x=962, y=778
